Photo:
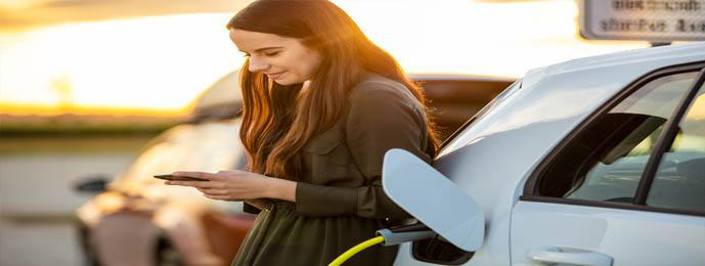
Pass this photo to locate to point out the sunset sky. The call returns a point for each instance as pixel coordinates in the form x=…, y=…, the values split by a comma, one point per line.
x=159, y=54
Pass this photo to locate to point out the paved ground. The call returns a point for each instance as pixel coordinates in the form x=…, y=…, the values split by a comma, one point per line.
x=37, y=203
x=37, y=243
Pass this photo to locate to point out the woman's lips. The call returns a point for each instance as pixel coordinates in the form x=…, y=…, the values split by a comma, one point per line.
x=275, y=75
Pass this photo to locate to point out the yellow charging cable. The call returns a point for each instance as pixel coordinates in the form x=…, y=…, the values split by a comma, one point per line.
x=356, y=249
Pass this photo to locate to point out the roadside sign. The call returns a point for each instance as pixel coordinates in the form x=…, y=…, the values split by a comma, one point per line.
x=648, y=20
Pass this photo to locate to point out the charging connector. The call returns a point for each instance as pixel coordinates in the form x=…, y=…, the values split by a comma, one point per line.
x=405, y=233
x=388, y=237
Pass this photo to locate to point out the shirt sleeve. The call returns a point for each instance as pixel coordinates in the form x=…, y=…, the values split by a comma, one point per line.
x=380, y=118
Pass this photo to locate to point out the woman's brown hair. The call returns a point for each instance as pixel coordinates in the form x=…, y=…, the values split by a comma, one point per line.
x=279, y=120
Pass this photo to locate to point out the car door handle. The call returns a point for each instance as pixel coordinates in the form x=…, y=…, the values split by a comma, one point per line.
x=569, y=256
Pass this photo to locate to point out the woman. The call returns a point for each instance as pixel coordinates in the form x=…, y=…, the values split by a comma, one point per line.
x=322, y=104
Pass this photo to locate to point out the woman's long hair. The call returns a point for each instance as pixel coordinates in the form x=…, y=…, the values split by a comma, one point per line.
x=279, y=120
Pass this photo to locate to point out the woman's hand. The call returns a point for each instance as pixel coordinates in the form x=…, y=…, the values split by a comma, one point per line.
x=238, y=185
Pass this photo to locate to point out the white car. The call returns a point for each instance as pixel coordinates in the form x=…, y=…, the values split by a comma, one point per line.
x=595, y=161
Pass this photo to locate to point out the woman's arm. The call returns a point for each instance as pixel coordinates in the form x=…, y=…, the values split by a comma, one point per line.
x=239, y=185
x=282, y=189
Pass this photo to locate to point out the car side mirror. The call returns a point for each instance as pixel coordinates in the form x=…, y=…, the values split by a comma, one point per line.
x=433, y=199
x=93, y=184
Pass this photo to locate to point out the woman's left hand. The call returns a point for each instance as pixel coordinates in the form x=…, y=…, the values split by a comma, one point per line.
x=230, y=185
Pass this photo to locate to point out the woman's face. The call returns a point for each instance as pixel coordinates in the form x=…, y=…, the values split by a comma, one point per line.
x=284, y=60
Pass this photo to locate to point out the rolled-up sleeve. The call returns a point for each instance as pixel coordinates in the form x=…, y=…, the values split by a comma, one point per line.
x=380, y=118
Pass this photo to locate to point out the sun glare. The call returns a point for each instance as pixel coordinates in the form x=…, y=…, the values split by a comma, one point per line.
x=150, y=63
x=18, y=4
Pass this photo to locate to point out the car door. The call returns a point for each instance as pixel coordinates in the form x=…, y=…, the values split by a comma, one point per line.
x=627, y=187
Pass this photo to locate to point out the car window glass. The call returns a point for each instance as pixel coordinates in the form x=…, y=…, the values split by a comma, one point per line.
x=605, y=161
x=679, y=182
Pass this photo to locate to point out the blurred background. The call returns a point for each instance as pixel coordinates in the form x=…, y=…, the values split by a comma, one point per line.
x=86, y=84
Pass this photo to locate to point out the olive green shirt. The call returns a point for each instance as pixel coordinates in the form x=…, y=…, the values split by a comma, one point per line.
x=340, y=201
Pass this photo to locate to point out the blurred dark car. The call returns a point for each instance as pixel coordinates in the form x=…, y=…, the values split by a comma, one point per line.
x=137, y=220
x=454, y=98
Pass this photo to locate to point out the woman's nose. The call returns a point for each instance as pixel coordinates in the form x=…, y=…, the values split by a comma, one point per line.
x=257, y=64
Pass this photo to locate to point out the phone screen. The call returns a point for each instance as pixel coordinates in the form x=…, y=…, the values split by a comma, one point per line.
x=178, y=178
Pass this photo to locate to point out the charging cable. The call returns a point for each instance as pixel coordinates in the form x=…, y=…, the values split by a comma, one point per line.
x=388, y=237
x=356, y=249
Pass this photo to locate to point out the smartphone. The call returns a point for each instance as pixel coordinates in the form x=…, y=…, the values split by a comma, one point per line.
x=179, y=178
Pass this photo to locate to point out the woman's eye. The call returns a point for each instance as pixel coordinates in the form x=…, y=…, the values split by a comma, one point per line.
x=272, y=53
x=245, y=55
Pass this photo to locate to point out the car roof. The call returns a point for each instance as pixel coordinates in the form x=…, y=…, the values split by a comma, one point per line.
x=665, y=55
x=221, y=100
x=586, y=82
x=611, y=72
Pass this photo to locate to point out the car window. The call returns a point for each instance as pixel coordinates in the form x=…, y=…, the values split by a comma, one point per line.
x=605, y=161
x=679, y=182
